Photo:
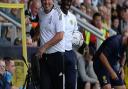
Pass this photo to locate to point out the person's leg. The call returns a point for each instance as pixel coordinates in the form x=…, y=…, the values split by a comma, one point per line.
x=103, y=77
x=70, y=70
x=119, y=83
x=56, y=69
x=44, y=75
x=80, y=83
x=120, y=87
x=87, y=85
x=107, y=86
x=96, y=86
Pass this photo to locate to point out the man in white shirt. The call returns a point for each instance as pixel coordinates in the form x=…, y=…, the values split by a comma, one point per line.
x=52, y=46
x=69, y=55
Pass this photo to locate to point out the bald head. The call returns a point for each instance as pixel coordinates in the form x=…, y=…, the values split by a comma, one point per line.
x=35, y=6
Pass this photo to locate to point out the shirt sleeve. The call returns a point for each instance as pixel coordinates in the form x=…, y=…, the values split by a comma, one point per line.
x=91, y=71
x=59, y=22
x=75, y=24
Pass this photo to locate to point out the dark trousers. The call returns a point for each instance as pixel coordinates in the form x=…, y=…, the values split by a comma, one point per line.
x=52, y=71
x=70, y=69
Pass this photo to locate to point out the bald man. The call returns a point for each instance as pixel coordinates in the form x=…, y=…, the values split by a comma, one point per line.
x=32, y=18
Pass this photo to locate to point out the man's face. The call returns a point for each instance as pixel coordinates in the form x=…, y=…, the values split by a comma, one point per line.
x=98, y=22
x=126, y=14
x=11, y=67
x=2, y=67
x=66, y=4
x=35, y=8
x=116, y=23
x=47, y=5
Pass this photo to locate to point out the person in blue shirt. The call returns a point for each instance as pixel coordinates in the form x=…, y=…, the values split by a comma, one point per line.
x=109, y=61
x=10, y=69
x=3, y=83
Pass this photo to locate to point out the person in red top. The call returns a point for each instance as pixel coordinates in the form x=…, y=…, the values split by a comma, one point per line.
x=97, y=22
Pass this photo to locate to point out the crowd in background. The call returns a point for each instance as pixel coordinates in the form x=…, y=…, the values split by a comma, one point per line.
x=105, y=14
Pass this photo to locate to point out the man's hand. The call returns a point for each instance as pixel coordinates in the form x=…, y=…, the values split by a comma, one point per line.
x=27, y=20
x=114, y=75
x=40, y=52
x=122, y=73
x=14, y=87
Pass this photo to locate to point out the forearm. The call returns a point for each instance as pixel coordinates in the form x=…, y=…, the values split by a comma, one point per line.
x=82, y=71
x=91, y=71
x=122, y=62
x=105, y=63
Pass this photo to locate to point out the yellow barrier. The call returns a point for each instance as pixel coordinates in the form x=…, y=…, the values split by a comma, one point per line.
x=24, y=48
x=126, y=75
x=18, y=79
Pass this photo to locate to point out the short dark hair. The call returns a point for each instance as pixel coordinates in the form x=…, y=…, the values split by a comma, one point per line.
x=96, y=14
x=125, y=5
x=7, y=60
x=115, y=17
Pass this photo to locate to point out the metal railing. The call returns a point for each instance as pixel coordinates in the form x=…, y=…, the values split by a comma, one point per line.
x=87, y=17
x=88, y=26
x=5, y=15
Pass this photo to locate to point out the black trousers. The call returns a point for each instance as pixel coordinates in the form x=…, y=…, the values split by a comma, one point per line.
x=52, y=71
x=70, y=69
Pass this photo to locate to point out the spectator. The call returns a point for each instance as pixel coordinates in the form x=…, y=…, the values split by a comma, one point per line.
x=2, y=66
x=115, y=10
x=76, y=3
x=107, y=4
x=11, y=33
x=87, y=78
x=29, y=42
x=17, y=41
x=10, y=69
x=83, y=8
x=32, y=19
x=3, y=83
x=124, y=20
x=115, y=24
x=97, y=22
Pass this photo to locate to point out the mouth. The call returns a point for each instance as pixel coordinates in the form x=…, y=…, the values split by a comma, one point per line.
x=67, y=7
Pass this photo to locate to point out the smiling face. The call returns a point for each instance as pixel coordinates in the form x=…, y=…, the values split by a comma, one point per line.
x=47, y=5
x=98, y=22
x=2, y=67
x=35, y=6
x=11, y=67
x=65, y=5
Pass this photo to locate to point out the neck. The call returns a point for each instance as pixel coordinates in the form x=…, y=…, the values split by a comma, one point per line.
x=64, y=11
